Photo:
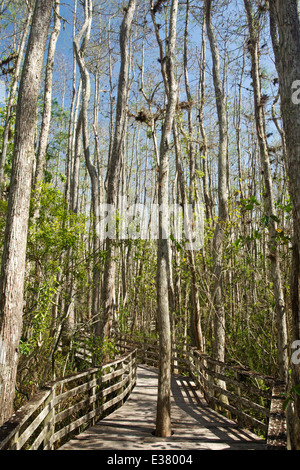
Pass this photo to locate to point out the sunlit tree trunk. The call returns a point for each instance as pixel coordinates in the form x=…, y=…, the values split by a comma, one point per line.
x=45, y=128
x=14, y=251
x=269, y=198
x=163, y=416
x=114, y=168
x=219, y=327
x=13, y=94
x=285, y=33
x=219, y=317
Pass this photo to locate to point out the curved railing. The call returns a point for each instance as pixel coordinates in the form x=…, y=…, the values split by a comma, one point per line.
x=63, y=408
x=253, y=400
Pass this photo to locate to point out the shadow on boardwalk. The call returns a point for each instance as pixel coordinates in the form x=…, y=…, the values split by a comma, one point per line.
x=195, y=425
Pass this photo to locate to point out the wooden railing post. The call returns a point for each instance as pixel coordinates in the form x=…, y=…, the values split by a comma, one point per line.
x=50, y=421
x=93, y=396
x=239, y=419
x=277, y=432
x=144, y=346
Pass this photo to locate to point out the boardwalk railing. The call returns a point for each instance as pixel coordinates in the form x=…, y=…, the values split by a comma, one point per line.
x=253, y=400
x=147, y=351
x=67, y=406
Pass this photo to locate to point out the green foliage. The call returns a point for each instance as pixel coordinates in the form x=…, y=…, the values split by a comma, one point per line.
x=52, y=236
x=291, y=396
x=100, y=350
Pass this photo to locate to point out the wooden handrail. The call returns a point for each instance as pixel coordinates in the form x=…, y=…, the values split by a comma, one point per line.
x=250, y=398
x=277, y=432
x=69, y=405
x=242, y=394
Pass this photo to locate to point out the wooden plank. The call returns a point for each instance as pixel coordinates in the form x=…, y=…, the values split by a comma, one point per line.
x=236, y=399
x=266, y=378
x=11, y=427
x=9, y=431
x=86, y=418
x=246, y=387
x=74, y=391
x=33, y=426
x=277, y=432
x=195, y=426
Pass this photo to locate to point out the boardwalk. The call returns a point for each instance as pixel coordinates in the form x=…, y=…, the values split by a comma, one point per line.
x=195, y=425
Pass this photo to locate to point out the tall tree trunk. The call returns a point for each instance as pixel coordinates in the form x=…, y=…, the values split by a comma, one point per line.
x=12, y=95
x=269, y=198
x=114, y=168
x=203, y=144
x=71, y=131
x=45, y=128
x=196, y=314
x=196, y=329
x=219, y=337
x=285, y=29
x=163, y=416
x=83, y=37
x=14, y=251
x=219, y=317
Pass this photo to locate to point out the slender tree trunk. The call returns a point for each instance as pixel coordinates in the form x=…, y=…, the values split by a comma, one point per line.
x=45, y=129
x=203, y=145
x=269, y=198
x=196, y=332
x=12, y=96
x=14, y=252
x=219, y=317
x=196, y=314
x=163, y=416
x=80, y=44
x=70, y=153
x=285, y=32
x=219, y=331
x=116, y=157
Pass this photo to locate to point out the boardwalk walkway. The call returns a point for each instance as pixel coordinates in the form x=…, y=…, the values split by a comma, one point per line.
x=195, y=425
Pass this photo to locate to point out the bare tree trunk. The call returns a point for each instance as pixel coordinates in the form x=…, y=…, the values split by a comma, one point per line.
x=203, y=145
x=44, y=135
x=114, y=168
x=73, y=112
x=12, y=96
x=219, y=317
x=269, y=199
x=80, y=44
x=163, y=416
x=219, y=338
x=285, y=32
x=196, y=313
x=14, y=252
x=196, y=333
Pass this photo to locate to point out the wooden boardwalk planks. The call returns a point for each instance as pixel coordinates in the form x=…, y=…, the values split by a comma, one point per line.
x=195, y=425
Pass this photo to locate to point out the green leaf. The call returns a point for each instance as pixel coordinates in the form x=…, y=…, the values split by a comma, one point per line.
x=273, y=217
x=265, y=220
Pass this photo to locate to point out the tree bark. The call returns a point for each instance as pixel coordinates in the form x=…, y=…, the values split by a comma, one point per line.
x=285, y=33
x=219, y=330
x=219, y=317
x=12, y=96
x=163, y=415
x=80, y=44
x=196, y=313
x=45, y=129
x=14, y=252
x=113, y=174
x=269, y=198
